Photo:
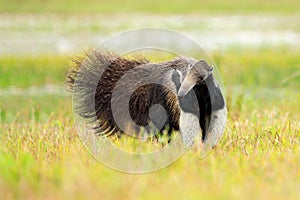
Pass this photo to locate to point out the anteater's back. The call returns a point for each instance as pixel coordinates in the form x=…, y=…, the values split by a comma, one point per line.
x=98, y=75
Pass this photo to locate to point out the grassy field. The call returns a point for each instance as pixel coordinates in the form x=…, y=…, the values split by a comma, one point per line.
x=42, y=157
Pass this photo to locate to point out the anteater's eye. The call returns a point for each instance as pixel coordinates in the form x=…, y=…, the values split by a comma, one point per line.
x=190, y=65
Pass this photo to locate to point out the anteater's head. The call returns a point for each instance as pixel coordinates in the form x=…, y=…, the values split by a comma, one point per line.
x=196, y=74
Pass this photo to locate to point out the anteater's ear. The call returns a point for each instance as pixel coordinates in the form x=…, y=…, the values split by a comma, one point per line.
x=197, y=73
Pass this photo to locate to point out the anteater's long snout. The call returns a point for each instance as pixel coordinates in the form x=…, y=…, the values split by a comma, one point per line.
x=185, y=87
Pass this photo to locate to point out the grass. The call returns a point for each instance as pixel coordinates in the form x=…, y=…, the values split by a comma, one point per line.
x=42, y=108
x=247, y=67
x=251, y=78
x=264, y=67
x=155, y=6
x=41, y=155
x=257, y=158
x=24, y=71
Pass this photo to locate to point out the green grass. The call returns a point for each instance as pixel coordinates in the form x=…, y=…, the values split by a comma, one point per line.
x=263, y=67
x=260, y=67
x=24, y=71
x=21, y=109
x=42, y=157
x=154, y=6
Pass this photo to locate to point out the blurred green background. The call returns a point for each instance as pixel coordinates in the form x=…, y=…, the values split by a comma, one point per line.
x=155, y=6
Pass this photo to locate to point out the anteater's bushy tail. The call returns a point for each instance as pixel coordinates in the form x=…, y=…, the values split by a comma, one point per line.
x=91, y=82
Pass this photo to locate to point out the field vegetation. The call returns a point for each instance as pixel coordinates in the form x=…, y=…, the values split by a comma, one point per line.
x=41, y=155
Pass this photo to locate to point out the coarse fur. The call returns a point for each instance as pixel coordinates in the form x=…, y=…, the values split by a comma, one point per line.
x=96, y=75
